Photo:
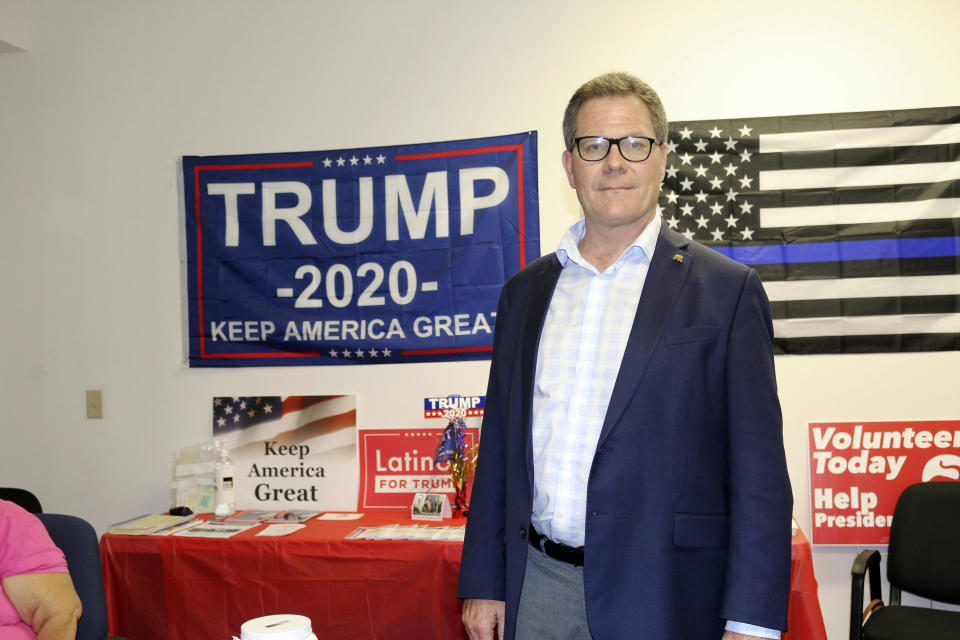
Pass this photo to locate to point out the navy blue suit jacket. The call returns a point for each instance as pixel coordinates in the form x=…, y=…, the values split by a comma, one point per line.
x=688, y=501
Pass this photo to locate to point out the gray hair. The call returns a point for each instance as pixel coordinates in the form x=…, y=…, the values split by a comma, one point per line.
x=615, y=85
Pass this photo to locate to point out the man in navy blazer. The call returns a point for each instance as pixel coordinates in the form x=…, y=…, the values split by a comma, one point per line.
x=664, y=514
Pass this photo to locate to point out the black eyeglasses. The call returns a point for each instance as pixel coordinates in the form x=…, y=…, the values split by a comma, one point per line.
x=596, y=148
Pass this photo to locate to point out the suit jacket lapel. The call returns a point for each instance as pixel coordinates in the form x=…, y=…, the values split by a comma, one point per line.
x=546, y=281
x=664, y=280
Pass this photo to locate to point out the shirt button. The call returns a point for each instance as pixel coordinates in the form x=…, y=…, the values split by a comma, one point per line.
x=523, y=533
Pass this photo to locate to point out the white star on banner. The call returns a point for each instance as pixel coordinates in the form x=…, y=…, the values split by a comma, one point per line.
x=688, y=233
x=671, y=146
x=374, y=353
x=341, y=161
x=381, y=159
x=359, y=353
x=367, y=159
x=333, y=353
x=327, y=163
x=672, y=222
x=354, y=161
x=386, y=353
x=711, y=167
x=747, y=233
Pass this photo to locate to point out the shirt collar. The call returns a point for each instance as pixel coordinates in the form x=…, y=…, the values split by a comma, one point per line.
x=569, y=248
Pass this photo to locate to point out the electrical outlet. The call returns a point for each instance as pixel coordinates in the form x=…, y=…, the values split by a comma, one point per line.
x=94, y=403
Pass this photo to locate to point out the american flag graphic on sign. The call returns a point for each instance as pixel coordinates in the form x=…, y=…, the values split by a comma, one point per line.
x=851, y=219
x=241, y=412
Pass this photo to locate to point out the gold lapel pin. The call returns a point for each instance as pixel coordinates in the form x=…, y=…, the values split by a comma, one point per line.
x=677, y=257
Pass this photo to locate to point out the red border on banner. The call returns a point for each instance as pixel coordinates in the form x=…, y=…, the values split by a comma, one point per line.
x=290, y=165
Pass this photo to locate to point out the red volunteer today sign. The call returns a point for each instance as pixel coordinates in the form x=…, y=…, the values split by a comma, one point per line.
x=859, y=469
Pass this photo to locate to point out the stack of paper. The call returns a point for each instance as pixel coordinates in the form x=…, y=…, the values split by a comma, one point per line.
x=408, y=532
x=150, y=523
x=212, y=529
x=294, y=515
x=252, y=515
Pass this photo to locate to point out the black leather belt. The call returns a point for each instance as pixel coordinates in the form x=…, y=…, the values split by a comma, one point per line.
x=556, y=550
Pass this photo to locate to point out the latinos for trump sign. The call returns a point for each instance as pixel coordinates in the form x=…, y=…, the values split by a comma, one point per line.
x=396, y=464
x=859, y=469
x=375, y=255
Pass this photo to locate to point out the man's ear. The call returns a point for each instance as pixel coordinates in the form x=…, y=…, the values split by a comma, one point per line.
x=567, y=160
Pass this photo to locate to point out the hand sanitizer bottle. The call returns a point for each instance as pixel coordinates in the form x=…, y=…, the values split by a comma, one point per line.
x=226, y=502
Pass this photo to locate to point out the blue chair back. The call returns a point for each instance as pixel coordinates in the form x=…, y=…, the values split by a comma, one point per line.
x=78, y=541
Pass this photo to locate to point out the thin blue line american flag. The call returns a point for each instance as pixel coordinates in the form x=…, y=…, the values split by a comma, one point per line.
x=851, y=219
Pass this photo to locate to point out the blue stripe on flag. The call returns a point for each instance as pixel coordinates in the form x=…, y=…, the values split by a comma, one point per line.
x=842, y=251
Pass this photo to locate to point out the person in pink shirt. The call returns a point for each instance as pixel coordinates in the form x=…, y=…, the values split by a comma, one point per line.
x=37, y=599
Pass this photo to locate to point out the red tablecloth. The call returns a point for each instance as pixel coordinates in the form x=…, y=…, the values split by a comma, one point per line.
x=174, y=588
x=803, y=617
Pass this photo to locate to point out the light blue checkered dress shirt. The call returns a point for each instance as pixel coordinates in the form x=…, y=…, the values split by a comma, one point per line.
x=581, y=346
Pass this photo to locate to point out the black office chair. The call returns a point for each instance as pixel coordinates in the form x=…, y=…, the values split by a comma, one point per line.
x=21, y=497
x=923, y=558
x=78, y=541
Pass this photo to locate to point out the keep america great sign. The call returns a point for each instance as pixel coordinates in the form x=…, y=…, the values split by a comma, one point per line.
x=356, y=256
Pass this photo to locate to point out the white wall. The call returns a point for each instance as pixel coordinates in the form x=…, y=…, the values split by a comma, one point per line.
x=14, y=25
x=95, y=113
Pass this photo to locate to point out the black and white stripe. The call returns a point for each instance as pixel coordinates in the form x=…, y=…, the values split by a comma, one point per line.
x=852, y=220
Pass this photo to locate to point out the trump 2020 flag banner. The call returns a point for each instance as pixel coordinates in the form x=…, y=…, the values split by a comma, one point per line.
x=356, y=256
x=851, y=219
